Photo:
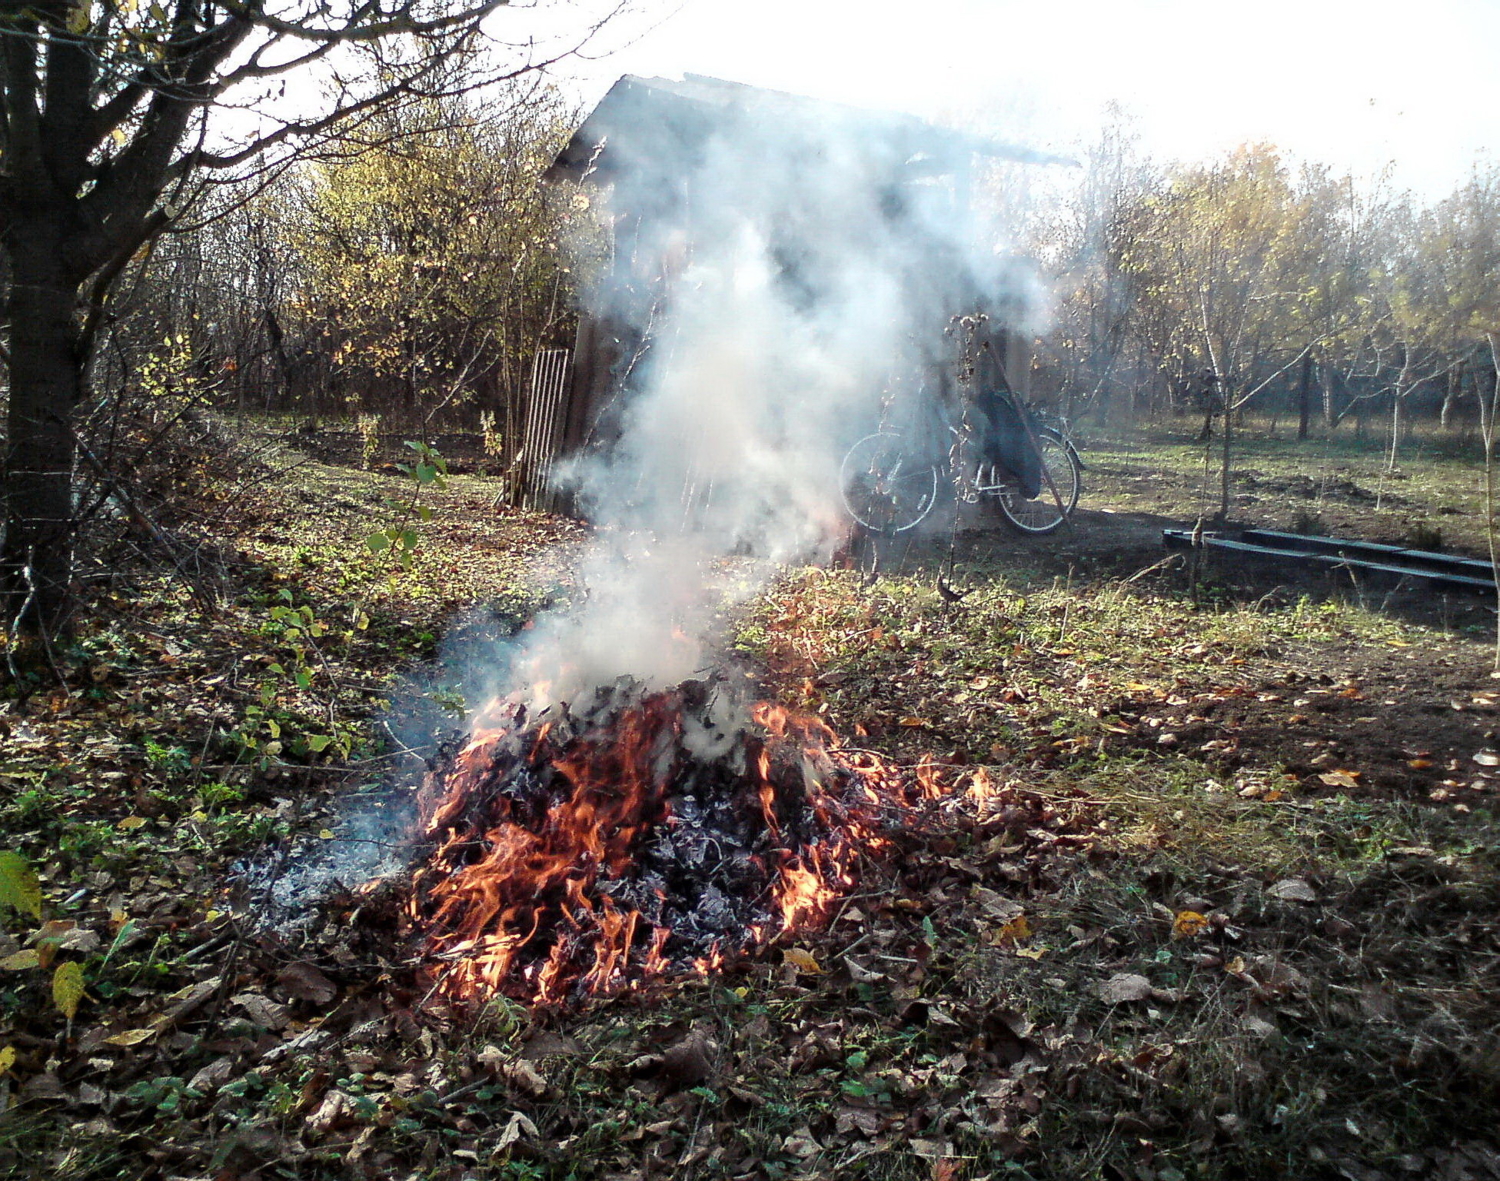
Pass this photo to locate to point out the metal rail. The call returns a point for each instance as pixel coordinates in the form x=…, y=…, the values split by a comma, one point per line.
x=1439, y=569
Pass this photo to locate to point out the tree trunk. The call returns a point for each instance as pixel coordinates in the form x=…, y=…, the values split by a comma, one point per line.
x=1451, y=390
x=1304, y=397
x=1396, y=401
x=46, y=383
x=1228, y=428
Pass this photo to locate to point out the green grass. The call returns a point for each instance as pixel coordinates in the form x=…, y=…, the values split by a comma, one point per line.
x=1329, y=483
x=930, y=1040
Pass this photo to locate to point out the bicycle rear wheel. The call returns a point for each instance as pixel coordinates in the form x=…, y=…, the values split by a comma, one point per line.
x=887, y=487
x=1043, y=514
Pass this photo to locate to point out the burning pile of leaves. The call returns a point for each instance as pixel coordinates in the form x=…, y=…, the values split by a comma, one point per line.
x=590, y=847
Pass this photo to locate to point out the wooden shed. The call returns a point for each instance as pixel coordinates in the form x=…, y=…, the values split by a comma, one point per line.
x=646, y=142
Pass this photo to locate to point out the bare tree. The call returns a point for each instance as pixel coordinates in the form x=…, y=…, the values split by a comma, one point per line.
x=104, y=129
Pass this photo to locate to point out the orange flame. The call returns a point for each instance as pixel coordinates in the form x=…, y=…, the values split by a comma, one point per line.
x=537, y=832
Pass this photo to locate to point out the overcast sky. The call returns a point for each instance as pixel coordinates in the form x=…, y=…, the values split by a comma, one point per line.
x=1360, y=84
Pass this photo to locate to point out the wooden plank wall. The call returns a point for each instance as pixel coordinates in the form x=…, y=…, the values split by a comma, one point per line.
x=542, y=439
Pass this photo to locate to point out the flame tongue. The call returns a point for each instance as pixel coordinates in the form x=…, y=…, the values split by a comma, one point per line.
x=587, y=850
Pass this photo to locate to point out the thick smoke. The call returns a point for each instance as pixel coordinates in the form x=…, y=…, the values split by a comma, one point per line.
x=779, y=268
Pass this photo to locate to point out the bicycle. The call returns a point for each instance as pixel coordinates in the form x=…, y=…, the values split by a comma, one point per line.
x=892, y=479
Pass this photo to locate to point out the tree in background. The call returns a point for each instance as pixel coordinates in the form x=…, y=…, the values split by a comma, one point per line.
x=427, y=269
x=1089, y=348
x=104, y=131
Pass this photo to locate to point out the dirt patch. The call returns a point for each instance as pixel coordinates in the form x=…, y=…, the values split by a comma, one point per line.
x=1417, y=723
x=1397, y=719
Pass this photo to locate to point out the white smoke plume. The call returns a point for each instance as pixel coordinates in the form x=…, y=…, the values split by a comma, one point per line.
x=791, y=264
x=791, y=269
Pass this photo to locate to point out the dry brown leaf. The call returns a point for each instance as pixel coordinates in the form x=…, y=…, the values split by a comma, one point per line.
x=1124, y=987
x=516, y=1127
x=130, y=1037
x=1293, y=890
x=264, y=1011
x=305, y=982
x=522, y=1075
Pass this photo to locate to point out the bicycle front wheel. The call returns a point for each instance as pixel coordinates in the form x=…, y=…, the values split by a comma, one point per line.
x=887, y=487
x=1045, y=512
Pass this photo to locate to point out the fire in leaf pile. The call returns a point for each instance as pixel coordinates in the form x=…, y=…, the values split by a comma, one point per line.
x=587, y=848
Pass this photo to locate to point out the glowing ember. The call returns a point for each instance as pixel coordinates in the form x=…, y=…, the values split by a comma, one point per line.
x=588, y=849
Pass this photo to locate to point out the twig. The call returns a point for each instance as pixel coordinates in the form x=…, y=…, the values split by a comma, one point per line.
x=15, y=631
x=142, y=522
x=1139, y=574
x=29, y=575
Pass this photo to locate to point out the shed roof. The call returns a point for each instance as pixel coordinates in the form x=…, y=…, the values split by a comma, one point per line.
x=664, y=118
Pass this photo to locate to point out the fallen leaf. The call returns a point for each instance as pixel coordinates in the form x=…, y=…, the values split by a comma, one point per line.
x=1340, y=778
x=67, y=988
x=1188, y=923
x=305, y=982
x=1124, y=987
x=7, y=1058
x=802, y=961
x=22, y=960
x=264, y=1011
x=517, y=1126
x=915, y=723
x=130, y=1037
x=132, y=822
x=1487, y=758
x=213, y=1076
x=692, y=1060
x=1293, y=890
x=19, y=887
